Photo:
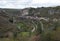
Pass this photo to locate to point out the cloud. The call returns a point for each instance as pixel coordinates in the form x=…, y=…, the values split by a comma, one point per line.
x=46, y=3
x=28, y=3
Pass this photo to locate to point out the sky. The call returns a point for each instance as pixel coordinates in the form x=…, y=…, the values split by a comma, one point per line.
x=28, y=3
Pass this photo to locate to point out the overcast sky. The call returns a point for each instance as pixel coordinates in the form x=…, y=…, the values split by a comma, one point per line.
x=28, y=3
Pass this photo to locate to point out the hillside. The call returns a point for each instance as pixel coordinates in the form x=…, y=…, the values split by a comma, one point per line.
x=44, y=20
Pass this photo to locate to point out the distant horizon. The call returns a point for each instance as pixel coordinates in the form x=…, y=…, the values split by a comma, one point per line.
x=28, y=7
